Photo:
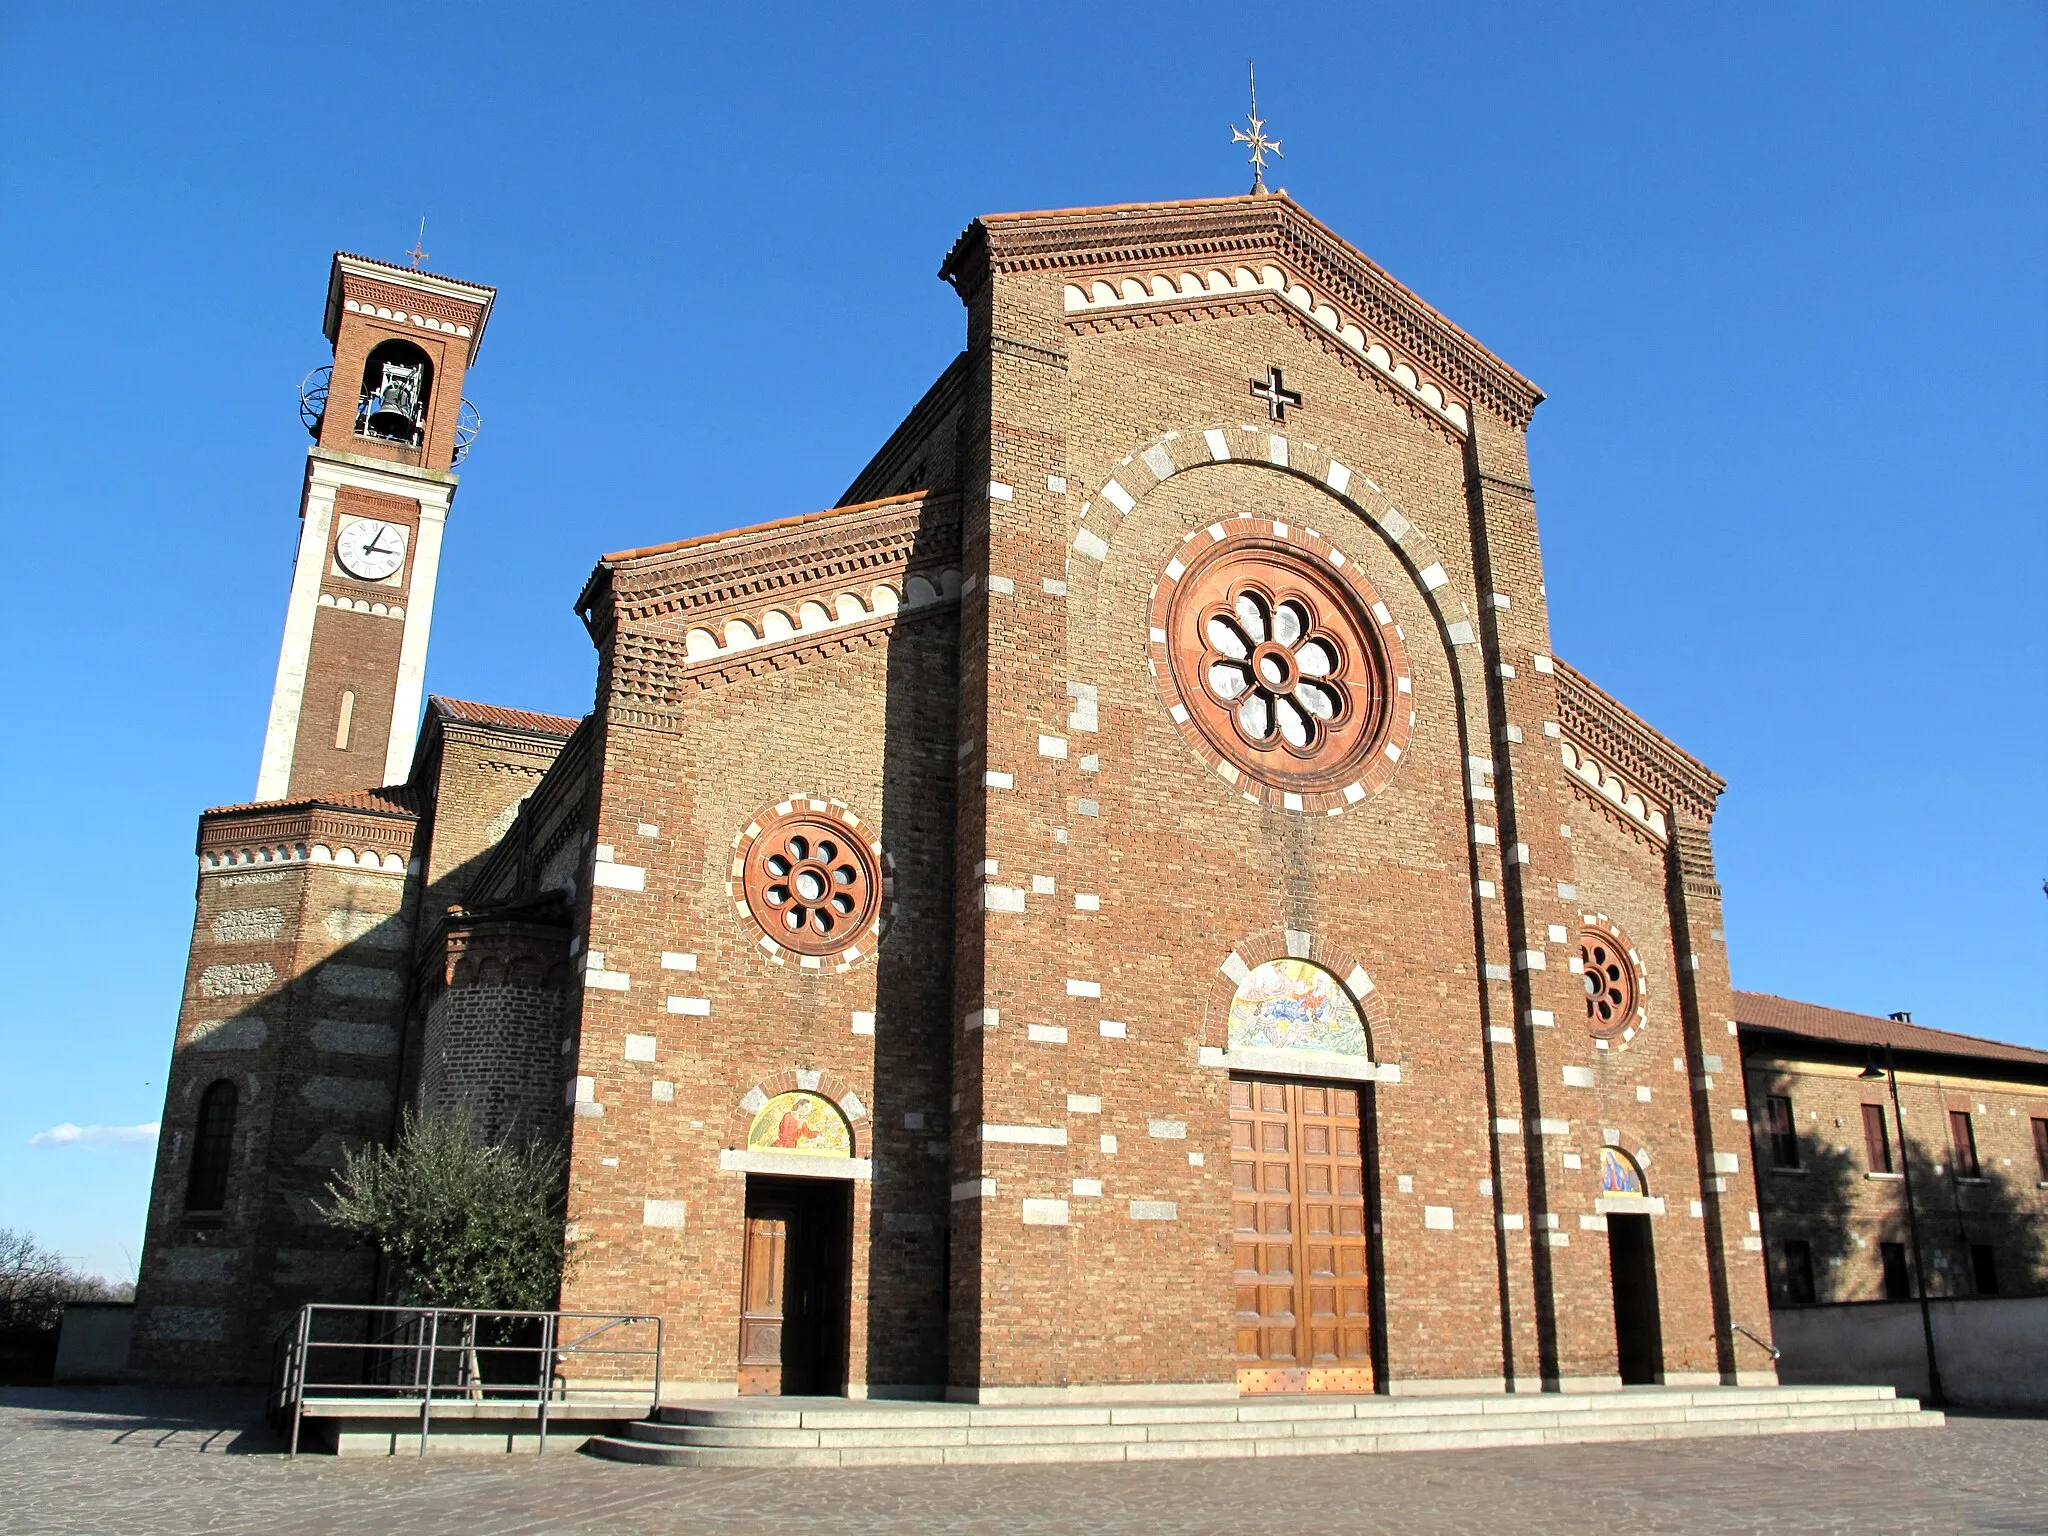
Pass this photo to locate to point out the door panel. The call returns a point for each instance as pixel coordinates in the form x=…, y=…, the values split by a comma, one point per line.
x=1304, y=1310
x=761, y=1279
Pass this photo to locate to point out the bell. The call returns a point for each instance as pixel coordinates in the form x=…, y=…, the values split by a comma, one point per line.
x=394, y=406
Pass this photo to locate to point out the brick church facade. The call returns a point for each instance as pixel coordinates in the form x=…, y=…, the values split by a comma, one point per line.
x=1128, y=901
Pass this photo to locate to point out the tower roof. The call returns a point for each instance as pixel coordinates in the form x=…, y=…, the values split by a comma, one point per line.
x=443, y=295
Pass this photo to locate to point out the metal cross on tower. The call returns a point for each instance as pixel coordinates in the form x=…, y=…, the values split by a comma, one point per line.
x=417, y=253
x=1257, y=137
x=1274, y=391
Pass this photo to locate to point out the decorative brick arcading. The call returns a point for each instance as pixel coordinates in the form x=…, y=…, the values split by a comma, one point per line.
x=1168, y=252
x=1620, y=739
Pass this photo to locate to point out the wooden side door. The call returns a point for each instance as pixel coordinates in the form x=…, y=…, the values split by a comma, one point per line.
x=1303, y=1286
x=1337, y=1314
x=761, y=1274
x=1262, y=1175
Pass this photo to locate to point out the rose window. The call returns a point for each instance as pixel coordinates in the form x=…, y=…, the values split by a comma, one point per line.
x=1277, y=674
x=1613, y=980
x=810, y=880
x=1281, y=665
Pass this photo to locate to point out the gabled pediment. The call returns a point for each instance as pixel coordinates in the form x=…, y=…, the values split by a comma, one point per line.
x=1139, y=258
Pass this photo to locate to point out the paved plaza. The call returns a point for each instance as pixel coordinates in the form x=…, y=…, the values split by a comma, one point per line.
x=141, y=1462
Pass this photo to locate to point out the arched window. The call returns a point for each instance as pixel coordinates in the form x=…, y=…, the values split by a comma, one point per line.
x=397, y=378
x=206, y=1189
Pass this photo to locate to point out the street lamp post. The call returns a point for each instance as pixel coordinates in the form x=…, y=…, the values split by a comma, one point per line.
x=1890, y=1073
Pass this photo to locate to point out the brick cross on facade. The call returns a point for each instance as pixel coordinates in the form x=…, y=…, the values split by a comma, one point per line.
x=1274, y=391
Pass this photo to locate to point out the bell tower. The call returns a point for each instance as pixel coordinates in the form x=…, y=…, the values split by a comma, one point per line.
x=389, y=426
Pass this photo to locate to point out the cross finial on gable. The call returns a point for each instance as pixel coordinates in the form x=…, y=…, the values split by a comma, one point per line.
x=418, y=253
x=1257, y=137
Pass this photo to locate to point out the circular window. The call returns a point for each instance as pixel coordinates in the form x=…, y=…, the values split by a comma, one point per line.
x=1613, y=978
x=809, y=881
x=1281, y=665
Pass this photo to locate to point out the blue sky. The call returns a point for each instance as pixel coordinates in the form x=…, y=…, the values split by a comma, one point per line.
x=1779, y=267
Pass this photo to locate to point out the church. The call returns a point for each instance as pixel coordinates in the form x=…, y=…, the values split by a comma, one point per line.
x=1127, y=901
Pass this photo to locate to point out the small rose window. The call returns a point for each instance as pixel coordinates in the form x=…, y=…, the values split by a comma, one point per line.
x=1281, y=665
x=1613, y=980
x=811, y=880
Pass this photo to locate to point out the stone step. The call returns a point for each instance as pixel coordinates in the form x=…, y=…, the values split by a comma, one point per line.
x=832, y=1418
x=661, y=1444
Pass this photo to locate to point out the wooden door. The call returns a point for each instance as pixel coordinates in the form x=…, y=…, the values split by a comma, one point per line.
x=761, y=1274
x=1304, y=1295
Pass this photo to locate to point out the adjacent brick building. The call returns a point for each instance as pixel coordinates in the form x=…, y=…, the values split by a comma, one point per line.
x=1833, y=1156
x=1127, y=901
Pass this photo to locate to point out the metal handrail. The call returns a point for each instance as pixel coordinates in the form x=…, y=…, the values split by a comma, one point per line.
x=415, y=1335
x=1750, y=1333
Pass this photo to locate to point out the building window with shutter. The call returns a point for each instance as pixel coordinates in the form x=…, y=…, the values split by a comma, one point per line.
x=1877, y=1141
x=1898, y=1284
x=1784, y=1138
x=206, y=1187
x=1963, y=1141
x=1798, y=1270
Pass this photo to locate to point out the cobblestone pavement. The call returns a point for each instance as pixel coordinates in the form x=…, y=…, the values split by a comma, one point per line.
x=141, y=1462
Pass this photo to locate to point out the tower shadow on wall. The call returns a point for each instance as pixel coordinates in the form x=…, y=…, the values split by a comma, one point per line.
x=1827, y=1205
x=908, y=1239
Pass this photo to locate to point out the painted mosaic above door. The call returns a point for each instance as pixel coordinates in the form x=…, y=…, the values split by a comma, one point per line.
x=1291, y=1005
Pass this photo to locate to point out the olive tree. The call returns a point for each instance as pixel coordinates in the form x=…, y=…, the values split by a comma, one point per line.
x=464, y=1222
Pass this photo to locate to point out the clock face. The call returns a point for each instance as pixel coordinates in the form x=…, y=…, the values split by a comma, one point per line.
x=370, y=549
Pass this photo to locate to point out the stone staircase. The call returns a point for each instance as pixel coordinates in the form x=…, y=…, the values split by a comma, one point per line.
x=836, y=1432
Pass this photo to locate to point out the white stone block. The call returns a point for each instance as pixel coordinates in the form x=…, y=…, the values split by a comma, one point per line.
x=618, y=877
x=1046, y=1034
x=672, y=961
x=1113, y=1029
x=1084, y=1104
x=1088, y=1189
x=1578, y=1077
x=863, y=1022
x=1079, y=988
x=664, y=1092
x=640, y=1047
x=664, y=1213
x=693, y=1007
x=1154, y=1210
x=608, y=981
x=1085, y=901
x=1003, y=898
x=1026, y=1135
x=1167, y=1130
x=1052, y=746
x=1045, y=1213
x=1438, y=1218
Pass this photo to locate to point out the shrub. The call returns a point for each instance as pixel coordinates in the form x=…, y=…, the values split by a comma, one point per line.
x=464, y=1222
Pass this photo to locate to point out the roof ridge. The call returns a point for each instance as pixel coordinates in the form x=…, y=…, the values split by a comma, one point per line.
x=1897, y=1029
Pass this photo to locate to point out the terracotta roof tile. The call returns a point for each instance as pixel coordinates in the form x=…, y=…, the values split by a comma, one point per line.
x=1762, y=1010
x=621, y=555
x=391, y=800
x=509, y=719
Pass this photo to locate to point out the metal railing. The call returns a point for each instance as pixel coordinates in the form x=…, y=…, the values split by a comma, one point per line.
x=423, y=1355
x=1751, y=1334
